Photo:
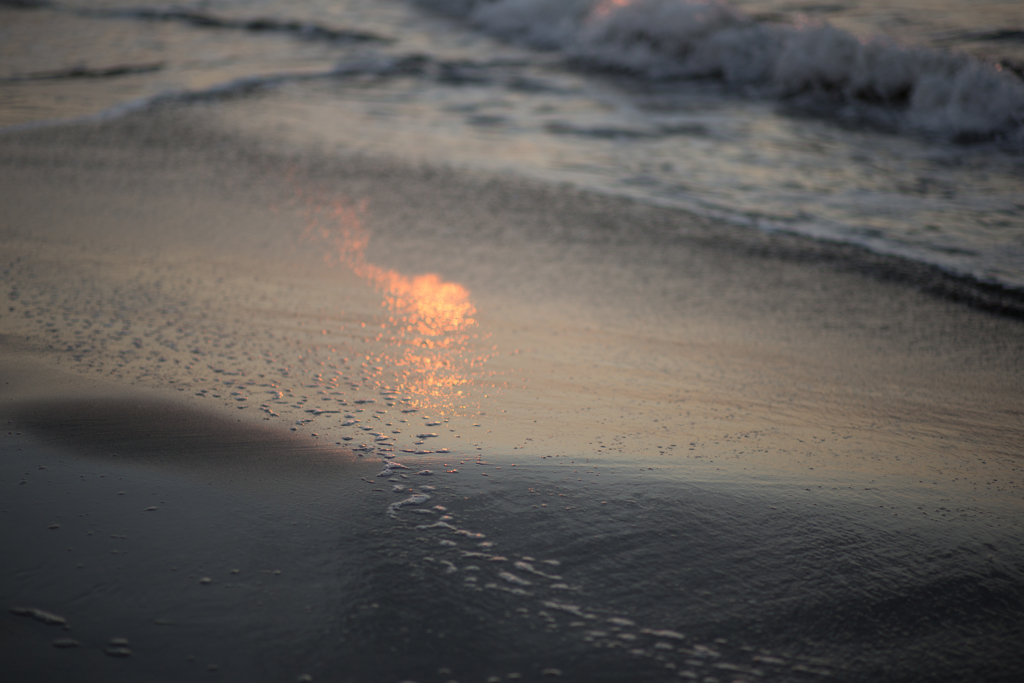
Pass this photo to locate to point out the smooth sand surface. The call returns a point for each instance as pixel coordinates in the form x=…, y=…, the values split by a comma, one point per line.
x=156, y=264
x=626, y=312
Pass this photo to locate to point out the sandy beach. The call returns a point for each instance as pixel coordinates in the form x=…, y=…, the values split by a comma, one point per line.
x=635, y=444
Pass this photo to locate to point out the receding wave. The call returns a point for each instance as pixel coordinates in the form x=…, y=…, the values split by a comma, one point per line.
x=932, y=92
x=302, y=29
x=87, y=72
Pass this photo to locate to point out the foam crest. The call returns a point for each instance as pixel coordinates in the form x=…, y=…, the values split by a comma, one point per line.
x=937, y=93
x=539, y=23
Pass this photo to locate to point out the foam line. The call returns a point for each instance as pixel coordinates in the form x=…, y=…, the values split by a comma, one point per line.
x=925, y=91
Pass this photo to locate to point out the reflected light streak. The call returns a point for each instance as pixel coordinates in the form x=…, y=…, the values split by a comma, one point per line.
x=429, y=320
x=605, y=9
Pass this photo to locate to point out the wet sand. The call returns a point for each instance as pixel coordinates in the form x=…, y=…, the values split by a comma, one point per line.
x=171, y=529
x=807, y=451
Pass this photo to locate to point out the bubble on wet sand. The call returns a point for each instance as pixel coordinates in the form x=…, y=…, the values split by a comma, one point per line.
x=663, y=633
x=39, y=615
x=415, y=499
x=704, y=652
x=320, y=411
x=575, y=610
x=506, y=589
x=725, y=666
x=470, y=534
x=513, y=579
x=479, y=555
x=527, y=567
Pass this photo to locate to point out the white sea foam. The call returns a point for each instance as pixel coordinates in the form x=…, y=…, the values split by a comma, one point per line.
x=415, y=499
x=923, y=90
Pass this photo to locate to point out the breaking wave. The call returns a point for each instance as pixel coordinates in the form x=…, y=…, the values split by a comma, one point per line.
x=933, y=92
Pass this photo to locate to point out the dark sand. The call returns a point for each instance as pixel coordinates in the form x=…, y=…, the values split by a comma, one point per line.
x=807, y=451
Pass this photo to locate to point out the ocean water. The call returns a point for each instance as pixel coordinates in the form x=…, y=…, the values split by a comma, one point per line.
x=635, y=501
x=898, y=128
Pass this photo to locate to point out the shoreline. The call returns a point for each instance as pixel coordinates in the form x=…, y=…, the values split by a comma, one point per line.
x=264, y=573
x=257, y=571
x=990, y=296
x=589, y=261
x=786, y=445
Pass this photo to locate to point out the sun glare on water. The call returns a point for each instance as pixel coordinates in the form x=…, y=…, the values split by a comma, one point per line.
x=428, y=331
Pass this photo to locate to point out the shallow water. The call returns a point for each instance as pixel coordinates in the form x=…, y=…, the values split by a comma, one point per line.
x=679, y=580
x=830, y=144
x=518, y=432
x=637, y=473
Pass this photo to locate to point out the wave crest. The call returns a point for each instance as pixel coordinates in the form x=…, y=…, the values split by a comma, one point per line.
x=943, y=94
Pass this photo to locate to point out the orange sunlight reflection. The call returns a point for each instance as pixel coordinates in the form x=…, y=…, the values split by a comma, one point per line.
x=606, y=8
x=603, y=9
x=429, y=321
